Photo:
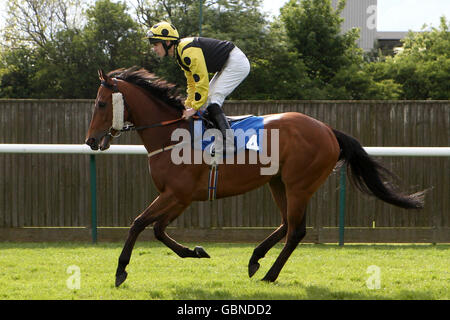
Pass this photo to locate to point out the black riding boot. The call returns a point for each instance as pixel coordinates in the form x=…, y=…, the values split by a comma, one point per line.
x=220, y=120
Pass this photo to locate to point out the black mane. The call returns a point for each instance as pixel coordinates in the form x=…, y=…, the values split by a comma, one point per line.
x=157, y=87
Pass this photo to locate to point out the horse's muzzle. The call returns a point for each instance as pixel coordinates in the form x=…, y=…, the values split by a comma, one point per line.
x=103, y=143
x=92, y=142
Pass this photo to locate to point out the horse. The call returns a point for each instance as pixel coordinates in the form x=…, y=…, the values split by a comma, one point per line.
x=309, y=151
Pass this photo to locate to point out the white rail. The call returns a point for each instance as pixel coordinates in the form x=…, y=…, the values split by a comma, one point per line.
x=70, y=149
x=409, y=151
x=139, y=149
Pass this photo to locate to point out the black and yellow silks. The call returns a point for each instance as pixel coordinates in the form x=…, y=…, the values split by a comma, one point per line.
x=198, y=57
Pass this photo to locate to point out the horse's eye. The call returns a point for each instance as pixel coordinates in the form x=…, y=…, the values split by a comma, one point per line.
x=101, y=104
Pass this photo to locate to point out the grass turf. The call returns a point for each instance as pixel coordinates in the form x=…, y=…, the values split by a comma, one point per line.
x=42, y=271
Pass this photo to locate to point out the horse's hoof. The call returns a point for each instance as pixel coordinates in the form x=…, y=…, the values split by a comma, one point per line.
x=268, y=279
x=201, y=253
x=120, y=278
x=252, y=268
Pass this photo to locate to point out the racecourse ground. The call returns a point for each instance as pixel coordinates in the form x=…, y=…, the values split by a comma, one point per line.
x=85, y=271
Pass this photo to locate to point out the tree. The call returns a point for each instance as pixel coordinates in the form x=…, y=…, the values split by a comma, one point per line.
x=53, y=48
x=65, y=64
x=422, y=68
x=181, y=13
x=16, y=70
x=36, y=22
x=314, y=30
x=113, y=35
x=336, y=67
x=277, y=73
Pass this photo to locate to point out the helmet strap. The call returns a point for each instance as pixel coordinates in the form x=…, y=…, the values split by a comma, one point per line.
x=167, y=47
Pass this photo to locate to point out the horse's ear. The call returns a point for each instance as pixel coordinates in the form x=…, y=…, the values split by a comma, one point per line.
x=102, y=75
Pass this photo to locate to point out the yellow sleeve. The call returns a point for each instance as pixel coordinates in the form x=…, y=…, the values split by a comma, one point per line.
x=190, y=89
x=197, y=78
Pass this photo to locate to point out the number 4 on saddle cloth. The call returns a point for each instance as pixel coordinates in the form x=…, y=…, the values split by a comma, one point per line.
x=247, y=131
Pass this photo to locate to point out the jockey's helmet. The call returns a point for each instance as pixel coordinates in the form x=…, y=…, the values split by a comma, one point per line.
x=161, y=32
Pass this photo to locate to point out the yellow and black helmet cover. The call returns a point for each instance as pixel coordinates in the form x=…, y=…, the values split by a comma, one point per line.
x=162, y=31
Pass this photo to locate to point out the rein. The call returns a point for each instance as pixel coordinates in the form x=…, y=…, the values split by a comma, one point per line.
x=132, y=127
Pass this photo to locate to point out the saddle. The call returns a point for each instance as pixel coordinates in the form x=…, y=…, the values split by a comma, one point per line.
x=246, y=136
x=246, y=129
x=208, y=123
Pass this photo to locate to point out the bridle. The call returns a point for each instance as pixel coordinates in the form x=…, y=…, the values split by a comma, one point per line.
x=131, y=127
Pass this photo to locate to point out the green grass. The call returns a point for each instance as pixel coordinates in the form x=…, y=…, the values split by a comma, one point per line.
x=39, y=271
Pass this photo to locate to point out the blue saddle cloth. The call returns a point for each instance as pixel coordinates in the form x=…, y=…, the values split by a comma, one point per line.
x=247, y=134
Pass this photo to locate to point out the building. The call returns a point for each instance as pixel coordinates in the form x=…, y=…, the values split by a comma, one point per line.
x=362, y=14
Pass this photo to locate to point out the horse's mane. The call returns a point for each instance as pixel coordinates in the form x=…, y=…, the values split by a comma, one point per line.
x=157, y=87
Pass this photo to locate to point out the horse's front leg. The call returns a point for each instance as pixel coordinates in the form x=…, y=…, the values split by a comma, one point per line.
x=182, y=251
x=160, y=207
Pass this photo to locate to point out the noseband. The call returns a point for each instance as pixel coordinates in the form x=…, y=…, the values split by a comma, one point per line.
x=118, y=108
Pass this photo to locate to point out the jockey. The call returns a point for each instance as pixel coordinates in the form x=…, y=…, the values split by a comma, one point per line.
x=198, y=57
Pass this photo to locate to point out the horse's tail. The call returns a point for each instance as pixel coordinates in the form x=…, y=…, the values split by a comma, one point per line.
x=371, y=177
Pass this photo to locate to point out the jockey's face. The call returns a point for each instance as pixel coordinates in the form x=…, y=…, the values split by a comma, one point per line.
x=158, y=48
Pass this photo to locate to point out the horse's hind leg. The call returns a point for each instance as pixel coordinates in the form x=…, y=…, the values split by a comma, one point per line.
x=296, y=232
x=279, y=194
x=261, y=250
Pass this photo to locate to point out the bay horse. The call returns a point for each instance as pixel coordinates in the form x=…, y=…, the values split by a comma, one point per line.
x=309, y=150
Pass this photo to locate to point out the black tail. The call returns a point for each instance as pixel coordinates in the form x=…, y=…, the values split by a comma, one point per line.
x=371, y=177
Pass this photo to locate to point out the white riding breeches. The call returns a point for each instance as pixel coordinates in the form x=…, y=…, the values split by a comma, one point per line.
x=235, y=70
